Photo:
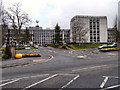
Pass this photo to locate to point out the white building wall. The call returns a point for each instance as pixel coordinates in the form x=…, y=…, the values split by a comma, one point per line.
x=103, y=30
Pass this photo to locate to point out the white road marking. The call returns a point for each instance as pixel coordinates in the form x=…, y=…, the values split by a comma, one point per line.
x=68, y=74
x=111, y=76
x=34, y=76
x=9, y=82
x=89, y=68
x=71, y=52
x=41, y=81
x=104, y=82
x=111, y=87
x=82, y=56
x=25, y=77
x=70, y=82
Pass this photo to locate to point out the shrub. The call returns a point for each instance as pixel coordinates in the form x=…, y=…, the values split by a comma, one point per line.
x=4, y=56
x=20, y=48
x=8, y=52
x=55, y=45
x=2, y=49
x=64, y=46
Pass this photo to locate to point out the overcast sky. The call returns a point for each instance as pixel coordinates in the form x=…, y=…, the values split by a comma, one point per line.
x=51, y=12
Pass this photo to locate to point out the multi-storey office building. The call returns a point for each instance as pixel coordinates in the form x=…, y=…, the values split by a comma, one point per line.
x=111, y=35
x=46, y=36
x=41, y=36
x=96, y=27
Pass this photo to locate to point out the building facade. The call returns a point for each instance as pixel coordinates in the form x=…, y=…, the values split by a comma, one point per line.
x=96, y=27
x=111, y=35
x=46, y=36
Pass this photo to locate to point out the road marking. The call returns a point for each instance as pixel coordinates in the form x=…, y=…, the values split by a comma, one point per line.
x=41, y=81
x=9, y=82
x=71, y=52
x=111, y=87
x=82, y=56
x=69, y=82
x=68, y=74
x=25, y=77
x=104, y=82
x=89, y=68
x=34, y=76
x=111, y=76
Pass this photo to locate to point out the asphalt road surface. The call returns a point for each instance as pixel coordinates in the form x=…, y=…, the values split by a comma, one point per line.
x=76, y=69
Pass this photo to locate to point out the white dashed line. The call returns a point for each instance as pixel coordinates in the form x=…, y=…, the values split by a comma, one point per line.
x=70, y=82
x=104, y=82
x=41, y=81
x=88, y=68
x=9, y=82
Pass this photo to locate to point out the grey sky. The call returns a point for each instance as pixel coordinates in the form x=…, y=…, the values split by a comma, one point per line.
x=50, y=12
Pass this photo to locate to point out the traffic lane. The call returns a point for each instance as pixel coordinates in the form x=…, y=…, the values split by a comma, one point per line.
x=56, y=64
x=88, y=80
x=95, y=79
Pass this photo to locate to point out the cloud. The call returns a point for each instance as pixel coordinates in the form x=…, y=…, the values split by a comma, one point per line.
x=51, y=12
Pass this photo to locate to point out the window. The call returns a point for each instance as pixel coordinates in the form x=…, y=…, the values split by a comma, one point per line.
x=98, y=40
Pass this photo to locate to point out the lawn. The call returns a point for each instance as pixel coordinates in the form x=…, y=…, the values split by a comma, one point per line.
x=18, y=48
x=85, y=46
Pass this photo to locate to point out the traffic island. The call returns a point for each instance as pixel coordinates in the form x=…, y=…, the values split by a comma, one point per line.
x=24, y=61
x=18, y=56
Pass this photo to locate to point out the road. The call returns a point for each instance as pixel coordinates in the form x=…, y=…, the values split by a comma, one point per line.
x=79, y=69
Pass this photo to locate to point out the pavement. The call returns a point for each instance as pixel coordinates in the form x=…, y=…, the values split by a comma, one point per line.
x=24, y=61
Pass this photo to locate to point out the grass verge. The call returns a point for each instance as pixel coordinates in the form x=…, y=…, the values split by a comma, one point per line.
x=84, y=46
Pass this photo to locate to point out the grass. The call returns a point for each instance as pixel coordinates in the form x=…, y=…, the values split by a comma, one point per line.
x=85, y=46
x=19, y=48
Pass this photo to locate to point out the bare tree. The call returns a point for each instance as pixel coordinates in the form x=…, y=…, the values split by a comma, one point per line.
x=3, y=22
x=17, y=19
x=79, y=31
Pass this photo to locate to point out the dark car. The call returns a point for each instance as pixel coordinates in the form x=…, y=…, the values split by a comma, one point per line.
x=45, y=45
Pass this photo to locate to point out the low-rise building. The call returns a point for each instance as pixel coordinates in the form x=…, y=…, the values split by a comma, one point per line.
x=46, y=36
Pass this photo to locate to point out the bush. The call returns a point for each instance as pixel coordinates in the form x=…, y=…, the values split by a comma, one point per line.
x=19, y=48
x=4, y=56
x=2, y=49
x=8, y=52
x=55, y=45
x=64, y=46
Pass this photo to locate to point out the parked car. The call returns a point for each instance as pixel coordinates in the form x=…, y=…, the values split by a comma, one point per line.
x=35, y=46
x=114, y=45
x=45, y=45
x=103, y=46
